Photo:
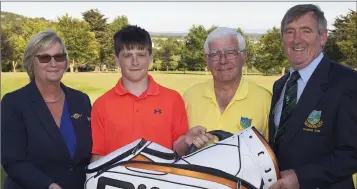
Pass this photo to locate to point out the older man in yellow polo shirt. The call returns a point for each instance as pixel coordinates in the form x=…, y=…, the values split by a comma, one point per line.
x=229, y=101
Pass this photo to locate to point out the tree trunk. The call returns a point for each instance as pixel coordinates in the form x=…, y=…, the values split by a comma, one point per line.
x=100, y=66
x=14, y=64
x=71, y=66
x=283, y=71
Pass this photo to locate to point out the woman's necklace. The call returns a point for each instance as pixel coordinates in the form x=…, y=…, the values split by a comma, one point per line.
x=54, y=101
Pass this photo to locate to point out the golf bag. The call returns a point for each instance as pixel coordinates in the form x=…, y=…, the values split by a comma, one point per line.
x=241, y=161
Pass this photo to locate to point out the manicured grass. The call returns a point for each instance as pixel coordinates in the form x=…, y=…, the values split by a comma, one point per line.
x=95, y=84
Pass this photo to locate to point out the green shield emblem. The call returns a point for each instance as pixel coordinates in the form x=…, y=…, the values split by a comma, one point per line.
x=245, y=122
x=314, y=117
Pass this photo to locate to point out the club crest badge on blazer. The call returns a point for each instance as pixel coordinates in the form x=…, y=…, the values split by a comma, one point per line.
x=314, y=120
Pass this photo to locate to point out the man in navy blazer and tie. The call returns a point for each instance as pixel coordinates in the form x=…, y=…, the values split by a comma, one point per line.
x=313, y=118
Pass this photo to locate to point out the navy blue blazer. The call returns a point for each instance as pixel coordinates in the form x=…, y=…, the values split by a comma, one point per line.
x=323, y=149
x=34, y=153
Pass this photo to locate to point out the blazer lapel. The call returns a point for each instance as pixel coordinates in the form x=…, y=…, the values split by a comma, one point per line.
x=73, y=112
x=311, y=95
x=278, y=87
x=44, y=115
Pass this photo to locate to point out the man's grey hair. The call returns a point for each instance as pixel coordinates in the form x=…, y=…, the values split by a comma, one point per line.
x=41, y=41
x=300, y=10
x=222, y=32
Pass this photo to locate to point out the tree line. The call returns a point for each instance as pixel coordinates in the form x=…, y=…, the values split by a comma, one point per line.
x=90, y=46
x=88, y=41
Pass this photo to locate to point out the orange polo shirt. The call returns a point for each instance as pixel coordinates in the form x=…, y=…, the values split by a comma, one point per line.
x=119, y=117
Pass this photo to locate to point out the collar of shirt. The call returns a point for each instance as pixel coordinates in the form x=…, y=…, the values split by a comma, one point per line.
x=306, y=72
x=153, y=88
x=241, y=93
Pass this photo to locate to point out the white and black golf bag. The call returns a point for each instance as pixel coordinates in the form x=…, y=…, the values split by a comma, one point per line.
x=241, y=161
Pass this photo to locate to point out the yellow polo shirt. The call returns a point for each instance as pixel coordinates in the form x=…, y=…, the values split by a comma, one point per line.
x=249, y=107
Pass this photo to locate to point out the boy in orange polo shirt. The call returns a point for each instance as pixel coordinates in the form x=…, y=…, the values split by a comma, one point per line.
x=138, y=107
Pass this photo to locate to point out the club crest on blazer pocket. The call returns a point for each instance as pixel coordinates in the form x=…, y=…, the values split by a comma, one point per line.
x=313, y=122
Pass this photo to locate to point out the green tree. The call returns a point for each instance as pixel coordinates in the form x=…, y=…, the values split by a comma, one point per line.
x=211, y=29
x=270, y=56
x=331, y=48
x=7, y=50
x=108, y=48
x=33, y=26
x=348, y=44
x=169, y=54
x=98, y=24
x=341, y=43
x=192, y=53
x=11, y=18
x=250, y=48
x=18, y=34
x=18, y=43
x=118, y=23
x=80, y=41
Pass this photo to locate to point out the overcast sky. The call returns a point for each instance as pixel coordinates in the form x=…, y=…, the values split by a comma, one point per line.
x=180, y=16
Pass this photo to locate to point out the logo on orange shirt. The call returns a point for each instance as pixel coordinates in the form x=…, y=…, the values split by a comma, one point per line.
x=157, y=111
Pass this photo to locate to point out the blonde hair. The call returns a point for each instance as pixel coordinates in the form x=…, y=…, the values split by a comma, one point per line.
x=41, y=41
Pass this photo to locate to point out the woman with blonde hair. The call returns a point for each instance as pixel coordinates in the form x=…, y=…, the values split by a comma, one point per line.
x=45, y=135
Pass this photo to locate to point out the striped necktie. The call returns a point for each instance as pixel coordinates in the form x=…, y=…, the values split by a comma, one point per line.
x=289, y=104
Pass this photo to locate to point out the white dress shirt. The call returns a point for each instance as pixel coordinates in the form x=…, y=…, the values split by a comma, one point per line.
x=305, y=74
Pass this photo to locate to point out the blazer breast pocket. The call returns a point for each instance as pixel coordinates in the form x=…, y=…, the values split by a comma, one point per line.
x=318, y=123
x=313, y=130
